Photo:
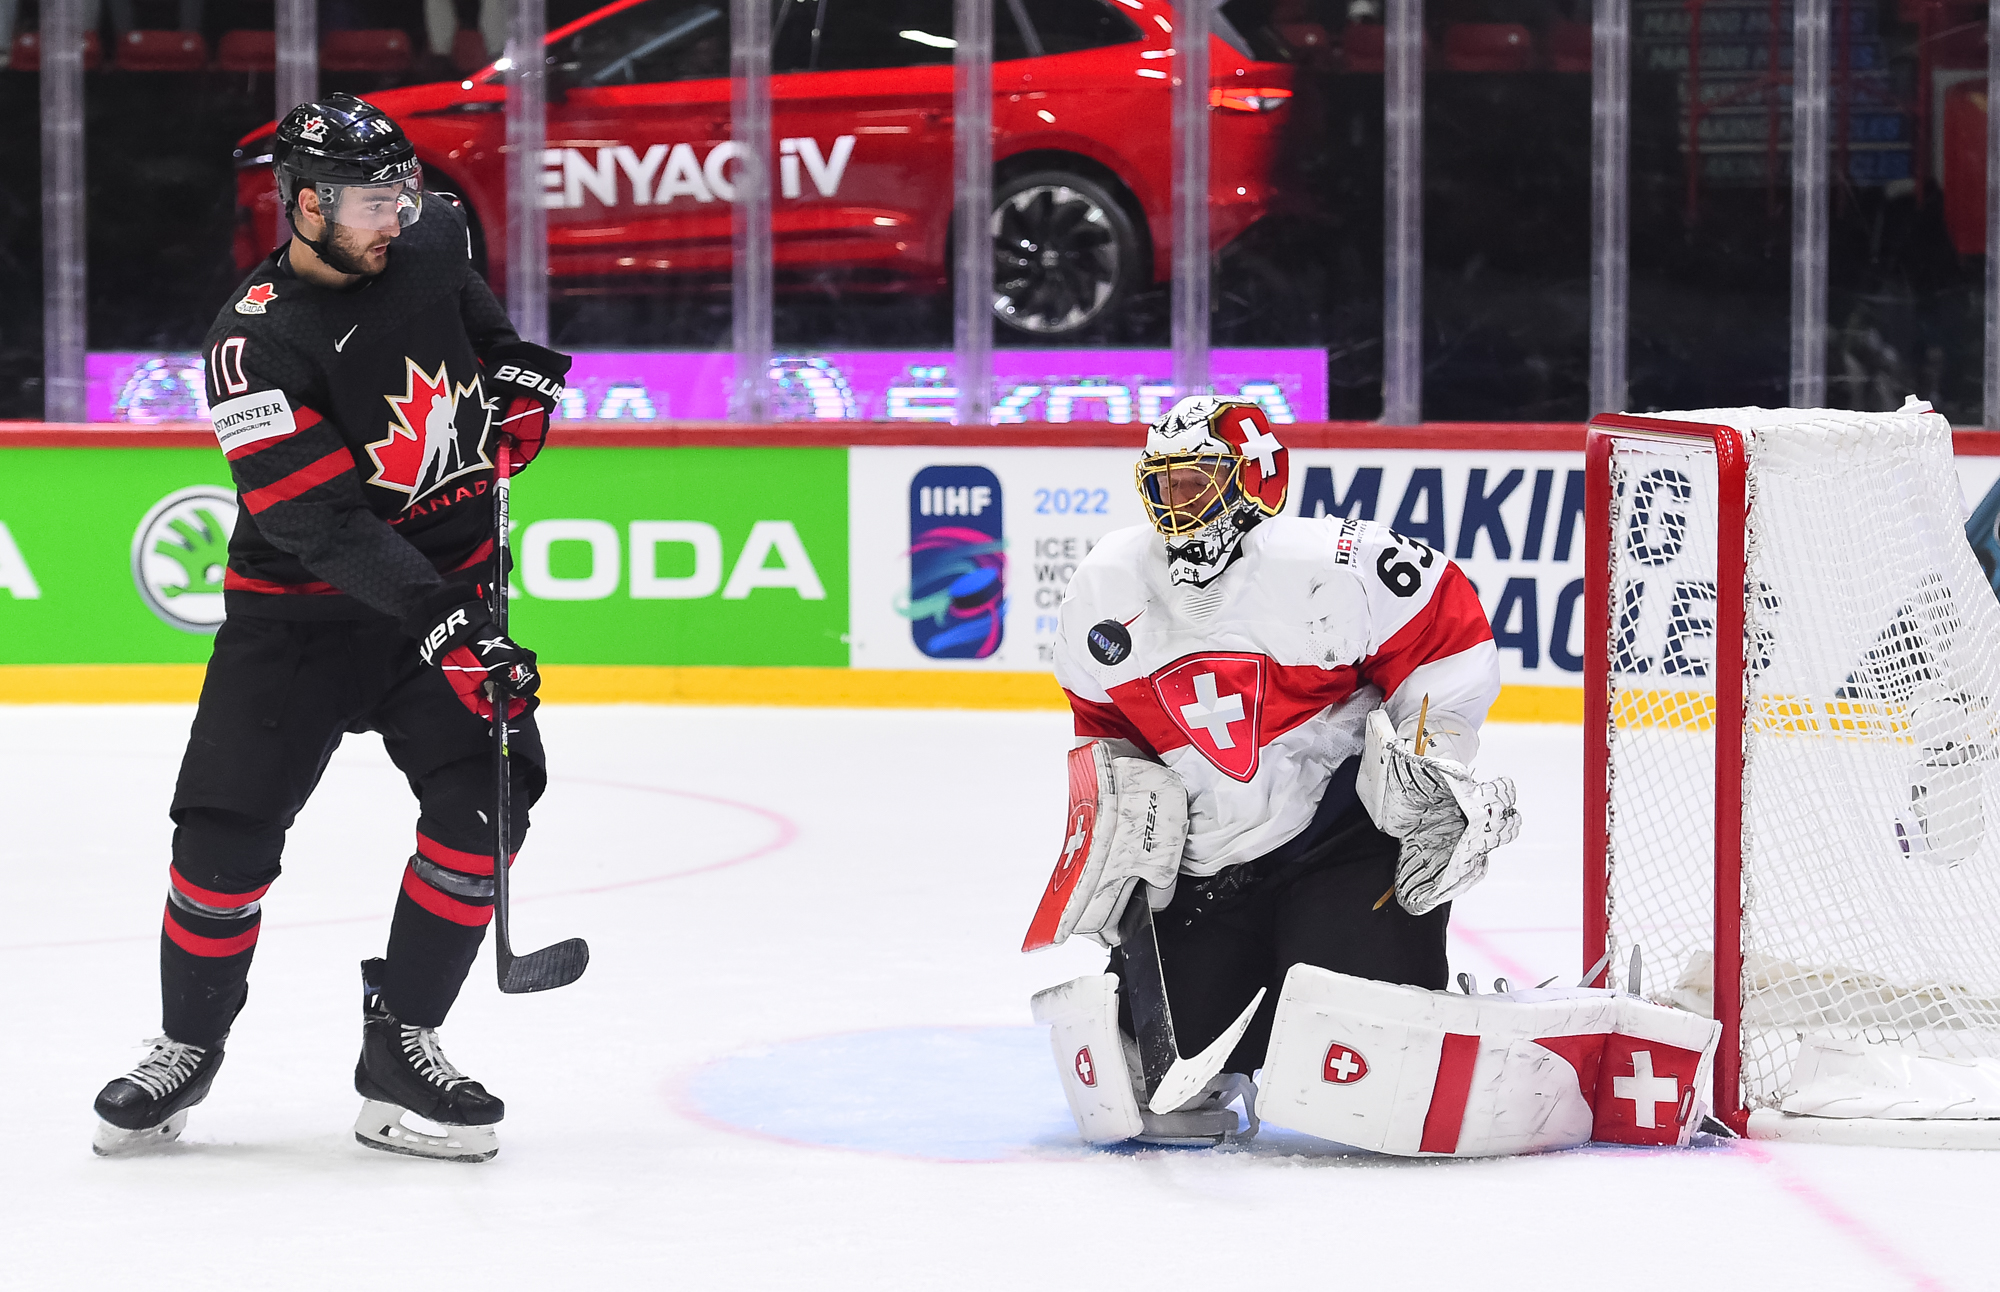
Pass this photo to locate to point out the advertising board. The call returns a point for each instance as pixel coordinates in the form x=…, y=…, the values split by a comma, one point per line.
x=1044, y=385
x=936, y=571
x=625, y=556
x=1512, y=520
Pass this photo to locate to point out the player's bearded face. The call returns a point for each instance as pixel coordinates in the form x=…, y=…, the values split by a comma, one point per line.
x=363, y=224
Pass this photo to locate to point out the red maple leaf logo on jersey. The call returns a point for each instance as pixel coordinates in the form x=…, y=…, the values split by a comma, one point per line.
x=256, y=299
x=426, y=446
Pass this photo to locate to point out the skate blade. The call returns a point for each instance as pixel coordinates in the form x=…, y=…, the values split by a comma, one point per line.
x=387, y=1127
x=116, y=1141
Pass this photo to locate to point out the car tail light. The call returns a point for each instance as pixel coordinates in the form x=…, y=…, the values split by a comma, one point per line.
x=1267, y=98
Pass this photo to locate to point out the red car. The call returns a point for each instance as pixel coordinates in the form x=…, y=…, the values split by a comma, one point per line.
x=638, y=174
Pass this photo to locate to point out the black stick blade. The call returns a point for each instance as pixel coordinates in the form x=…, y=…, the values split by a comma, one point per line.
x=556, y=966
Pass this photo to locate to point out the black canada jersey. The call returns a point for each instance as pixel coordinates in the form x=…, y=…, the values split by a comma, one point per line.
x=357, y=428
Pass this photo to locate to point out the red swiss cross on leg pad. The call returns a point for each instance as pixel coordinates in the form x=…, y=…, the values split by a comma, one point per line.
x=1086, y=1071
x=1644, y=1091
x=1217, y=701
x=1343, y=1066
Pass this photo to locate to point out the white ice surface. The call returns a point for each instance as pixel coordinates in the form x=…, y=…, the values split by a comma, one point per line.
x=804, y=993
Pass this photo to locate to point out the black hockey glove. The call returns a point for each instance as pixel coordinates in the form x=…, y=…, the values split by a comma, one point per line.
x=455, y=632
x=526, y=380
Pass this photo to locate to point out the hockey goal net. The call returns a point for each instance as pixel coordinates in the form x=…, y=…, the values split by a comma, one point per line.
x=1792, y=682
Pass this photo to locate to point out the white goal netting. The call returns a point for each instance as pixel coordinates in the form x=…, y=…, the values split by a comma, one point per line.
x=1871, y=685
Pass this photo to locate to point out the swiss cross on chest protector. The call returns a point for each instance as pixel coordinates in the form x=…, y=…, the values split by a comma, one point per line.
x=1217, y=701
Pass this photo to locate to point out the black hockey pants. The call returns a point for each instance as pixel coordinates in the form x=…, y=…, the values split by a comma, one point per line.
x=1310, y=901
x=278, y=697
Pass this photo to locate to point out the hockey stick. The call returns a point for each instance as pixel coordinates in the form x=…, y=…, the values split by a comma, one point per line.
x=1169, y=1079
x=563, y=963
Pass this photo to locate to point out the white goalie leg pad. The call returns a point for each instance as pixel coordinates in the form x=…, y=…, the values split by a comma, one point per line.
x=1411, y=1072
x=1082, y=1017
x=1418, y=1073
x=1657, y=1075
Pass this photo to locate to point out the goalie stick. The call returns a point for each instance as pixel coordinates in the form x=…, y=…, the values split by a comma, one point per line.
x=1169, y=1080
x=563, y=963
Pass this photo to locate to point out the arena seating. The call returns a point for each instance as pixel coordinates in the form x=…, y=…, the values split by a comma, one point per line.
x=27, y=55
x=1567, y=47
x=161, y=51
x=468, y=51
x=247, y=50
x=374, y=49
x=1488, y=47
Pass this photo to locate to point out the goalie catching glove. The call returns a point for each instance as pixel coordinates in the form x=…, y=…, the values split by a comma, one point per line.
x=1447, y=821
x=1127, y=823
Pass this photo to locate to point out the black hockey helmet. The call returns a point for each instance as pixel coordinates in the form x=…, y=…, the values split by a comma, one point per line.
x=343, y=142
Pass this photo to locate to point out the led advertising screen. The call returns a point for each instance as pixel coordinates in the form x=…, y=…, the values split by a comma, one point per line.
x=1071, y=385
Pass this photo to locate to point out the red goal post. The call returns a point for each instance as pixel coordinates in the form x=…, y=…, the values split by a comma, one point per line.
x=1727, y=446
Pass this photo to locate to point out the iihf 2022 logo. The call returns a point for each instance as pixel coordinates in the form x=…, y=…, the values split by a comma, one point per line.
x=957, y=598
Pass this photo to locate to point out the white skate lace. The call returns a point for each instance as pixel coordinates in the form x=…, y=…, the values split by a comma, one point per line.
x=167, y=1067
x=420, y=1047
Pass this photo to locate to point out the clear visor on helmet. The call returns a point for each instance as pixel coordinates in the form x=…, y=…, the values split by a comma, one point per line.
x=1185, y=492
x=384, y=207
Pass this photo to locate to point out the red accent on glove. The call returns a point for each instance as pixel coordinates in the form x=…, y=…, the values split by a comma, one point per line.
x=526, y=422
x=468, y=678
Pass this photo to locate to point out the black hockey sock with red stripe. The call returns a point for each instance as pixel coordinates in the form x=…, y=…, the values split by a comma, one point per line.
x=442, y=912
x=223, y=865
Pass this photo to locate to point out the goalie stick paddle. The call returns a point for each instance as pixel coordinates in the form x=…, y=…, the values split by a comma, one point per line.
x=1169, y=1079
x=563, y=963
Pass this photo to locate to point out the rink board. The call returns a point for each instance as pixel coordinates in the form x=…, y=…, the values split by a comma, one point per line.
x=783, y=565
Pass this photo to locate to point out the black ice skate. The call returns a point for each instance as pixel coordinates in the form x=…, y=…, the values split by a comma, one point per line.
x=402, y=1072
x=147, y=1107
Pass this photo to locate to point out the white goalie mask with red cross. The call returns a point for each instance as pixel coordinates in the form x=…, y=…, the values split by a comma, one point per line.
x=1211, y=470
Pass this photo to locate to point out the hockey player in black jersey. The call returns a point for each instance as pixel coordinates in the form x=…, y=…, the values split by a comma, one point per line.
x=359, y=381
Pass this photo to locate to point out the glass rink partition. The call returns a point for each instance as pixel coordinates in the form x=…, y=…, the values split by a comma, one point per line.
x=1012, y=211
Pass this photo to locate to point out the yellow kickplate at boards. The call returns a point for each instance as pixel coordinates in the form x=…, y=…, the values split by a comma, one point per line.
x=828, y=688
x=101, y=683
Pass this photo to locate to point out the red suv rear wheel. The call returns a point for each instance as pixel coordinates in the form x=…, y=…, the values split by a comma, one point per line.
x=1065, y=253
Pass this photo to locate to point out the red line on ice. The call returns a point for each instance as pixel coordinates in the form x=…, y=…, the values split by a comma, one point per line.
x=1847, y=1222
x=786, y=833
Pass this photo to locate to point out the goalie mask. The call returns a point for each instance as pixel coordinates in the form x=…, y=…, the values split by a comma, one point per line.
x=1211, y=470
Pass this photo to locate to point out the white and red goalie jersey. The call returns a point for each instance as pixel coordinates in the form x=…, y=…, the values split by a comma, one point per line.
x=1255, y=688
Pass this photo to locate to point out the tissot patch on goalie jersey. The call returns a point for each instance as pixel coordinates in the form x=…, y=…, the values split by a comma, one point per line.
x=1217, y=701
x=249, y=419
x=437, y=434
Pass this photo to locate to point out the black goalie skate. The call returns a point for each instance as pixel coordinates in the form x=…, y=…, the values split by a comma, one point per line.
x=402, y=1072
x=147, y=1107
